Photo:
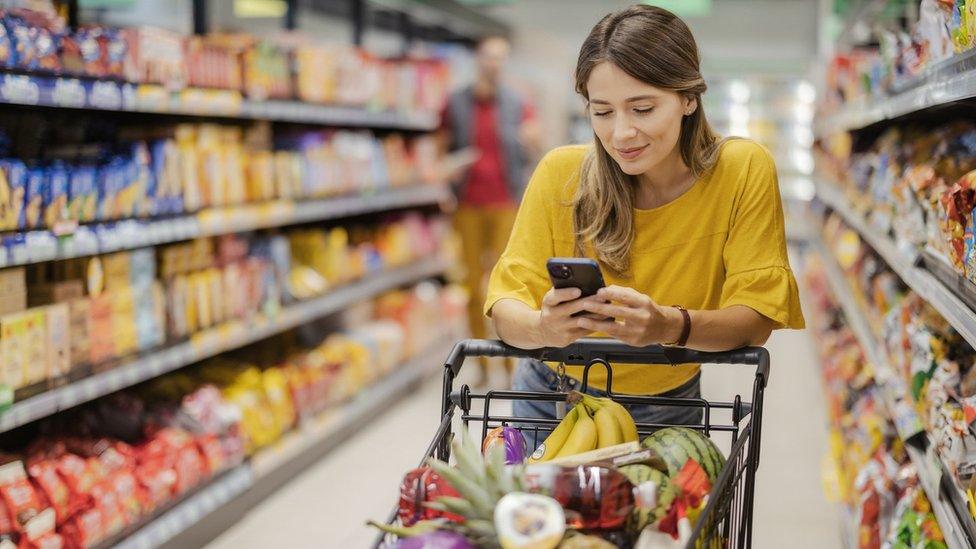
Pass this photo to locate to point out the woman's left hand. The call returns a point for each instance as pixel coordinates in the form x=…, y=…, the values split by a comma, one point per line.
x=633, y=317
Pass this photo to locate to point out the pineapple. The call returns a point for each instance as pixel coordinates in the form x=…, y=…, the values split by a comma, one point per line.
x=481, y=481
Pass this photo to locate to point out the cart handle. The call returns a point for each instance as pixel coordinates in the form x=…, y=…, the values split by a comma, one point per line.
x=585, y=351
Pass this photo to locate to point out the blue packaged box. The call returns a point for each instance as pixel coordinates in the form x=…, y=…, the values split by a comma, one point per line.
x=34, y=201
x=16, y=175
x=56, y=199
x=83, y=194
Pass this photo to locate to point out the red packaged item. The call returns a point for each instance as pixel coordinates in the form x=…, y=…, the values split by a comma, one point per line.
x=84, y=529
x=155, y=56
x=39, y=533
x=190, y=469
x=420, y=486
x=18, y=495
x=79, y=478
x=51, y=487
x=6, y=521
x=157, y=484
x=107, y=501
x=131, y=498
x=212, y=452
x=48, y=540
x=594, y=498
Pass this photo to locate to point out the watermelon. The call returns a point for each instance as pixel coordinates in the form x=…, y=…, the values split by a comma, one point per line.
x=676, y=445
x=639, y=475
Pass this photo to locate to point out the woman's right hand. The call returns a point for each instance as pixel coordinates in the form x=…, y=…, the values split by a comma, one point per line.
x=557, y=327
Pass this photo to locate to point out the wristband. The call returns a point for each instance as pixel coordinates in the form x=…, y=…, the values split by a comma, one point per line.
x=685, y=328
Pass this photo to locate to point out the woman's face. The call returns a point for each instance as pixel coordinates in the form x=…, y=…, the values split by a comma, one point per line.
x=637, y=123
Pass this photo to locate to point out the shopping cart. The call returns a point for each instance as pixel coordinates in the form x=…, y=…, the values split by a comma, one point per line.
x=726, y=520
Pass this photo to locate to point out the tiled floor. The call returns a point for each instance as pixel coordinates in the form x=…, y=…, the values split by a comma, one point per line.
x=328, y=505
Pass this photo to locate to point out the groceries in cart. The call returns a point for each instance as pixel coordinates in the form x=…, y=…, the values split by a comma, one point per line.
x=591, y=483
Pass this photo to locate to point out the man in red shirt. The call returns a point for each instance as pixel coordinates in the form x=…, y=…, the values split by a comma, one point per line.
x=497, y=125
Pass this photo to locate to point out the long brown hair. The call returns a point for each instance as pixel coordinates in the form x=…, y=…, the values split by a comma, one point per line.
x=654, y=46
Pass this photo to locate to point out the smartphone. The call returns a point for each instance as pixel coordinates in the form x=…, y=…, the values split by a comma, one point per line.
x=574, y=272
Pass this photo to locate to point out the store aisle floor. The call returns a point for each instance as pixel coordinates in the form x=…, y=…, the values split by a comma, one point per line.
x=328, y=505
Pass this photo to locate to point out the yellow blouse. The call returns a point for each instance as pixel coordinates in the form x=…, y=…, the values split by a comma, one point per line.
x=722, y=243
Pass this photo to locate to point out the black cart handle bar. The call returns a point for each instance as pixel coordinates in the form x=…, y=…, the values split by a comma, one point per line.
x=589, y=350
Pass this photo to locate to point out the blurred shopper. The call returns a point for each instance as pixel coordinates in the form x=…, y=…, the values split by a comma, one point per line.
x=687, y=227
x=494, y=127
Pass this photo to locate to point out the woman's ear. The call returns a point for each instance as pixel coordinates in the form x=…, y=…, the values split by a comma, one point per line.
x=690, y=103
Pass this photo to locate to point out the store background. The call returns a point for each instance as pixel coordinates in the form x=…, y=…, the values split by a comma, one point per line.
x=341, y=296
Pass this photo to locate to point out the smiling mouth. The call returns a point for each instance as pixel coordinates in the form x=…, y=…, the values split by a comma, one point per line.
x=629, y=154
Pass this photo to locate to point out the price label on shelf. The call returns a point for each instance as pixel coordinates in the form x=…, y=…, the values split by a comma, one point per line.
x=105, y=95
x=20, y=89
x=152, y=98
x=68, y=92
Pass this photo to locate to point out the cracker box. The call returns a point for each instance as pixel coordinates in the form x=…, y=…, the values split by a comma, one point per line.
x=79, y=312
x=58, y=339
x=13, y=352
x=36, y=365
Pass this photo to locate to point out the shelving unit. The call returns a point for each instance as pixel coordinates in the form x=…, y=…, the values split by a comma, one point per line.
x=211, y=342
x=112, y=96
x=308, y=440
x=951, y=80
x=894, y=393
x=930, y=288
x=41, y=246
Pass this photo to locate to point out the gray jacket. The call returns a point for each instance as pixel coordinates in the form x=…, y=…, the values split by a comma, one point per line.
x=510, y=110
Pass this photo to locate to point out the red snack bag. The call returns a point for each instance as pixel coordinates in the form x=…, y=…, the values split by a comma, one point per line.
x=179, y=448
x=18, y=494
x=6, y=522
x=51, y=487
x=157, y=483
x=79, y=479
x=48, y=540
x=213, y=453
x=107, y=501
x=84, y=529
x=420, y=486
x=39, y=532
x=190, y=469
x=129, y=494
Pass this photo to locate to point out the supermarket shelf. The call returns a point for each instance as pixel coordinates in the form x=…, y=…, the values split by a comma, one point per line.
x=895, y=395
x=946, y=82
x=330, y=424
x=211, y=342
x=42, y=246
x=930, y=288
x=310, y=441
x=108, y=95
x=188, y=512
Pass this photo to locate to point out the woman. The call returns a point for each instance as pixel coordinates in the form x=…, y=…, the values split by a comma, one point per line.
x=687, y=228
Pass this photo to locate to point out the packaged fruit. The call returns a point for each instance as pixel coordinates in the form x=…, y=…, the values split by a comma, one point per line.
x=510, y=439
x=420, y=486
x=594, y=498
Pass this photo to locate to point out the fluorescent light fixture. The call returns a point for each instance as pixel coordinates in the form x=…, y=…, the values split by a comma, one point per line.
x=260, y=8
x=739, y=91
x=805, y=92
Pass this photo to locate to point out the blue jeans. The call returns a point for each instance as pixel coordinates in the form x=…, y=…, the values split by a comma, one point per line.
x=533, y=375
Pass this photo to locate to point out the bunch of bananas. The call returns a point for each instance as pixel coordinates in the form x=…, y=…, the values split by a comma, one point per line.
x=592, y=423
